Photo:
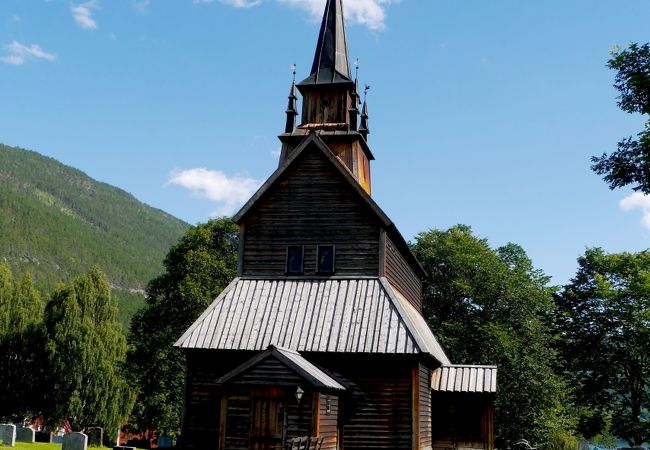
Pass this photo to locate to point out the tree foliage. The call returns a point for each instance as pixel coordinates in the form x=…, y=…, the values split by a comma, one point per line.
x=605, y=329
x=629, y=165
x=491, y=306
x=197, y=269
x=86, y=352
x=21, y=338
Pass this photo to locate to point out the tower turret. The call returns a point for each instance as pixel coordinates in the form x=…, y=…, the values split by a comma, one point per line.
x=330, y=101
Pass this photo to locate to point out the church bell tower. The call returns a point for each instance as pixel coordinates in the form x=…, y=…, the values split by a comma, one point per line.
x=330, y=102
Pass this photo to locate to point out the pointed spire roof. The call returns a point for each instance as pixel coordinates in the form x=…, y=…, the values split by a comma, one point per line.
x=331, y=58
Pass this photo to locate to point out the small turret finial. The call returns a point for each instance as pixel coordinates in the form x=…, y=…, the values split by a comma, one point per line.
x=293, y=71
x=356, y=69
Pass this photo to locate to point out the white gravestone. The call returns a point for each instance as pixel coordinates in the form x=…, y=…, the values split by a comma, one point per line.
x=8, y=434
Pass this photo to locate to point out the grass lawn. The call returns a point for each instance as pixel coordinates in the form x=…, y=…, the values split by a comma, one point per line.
x=40, y=446
x=35, y=446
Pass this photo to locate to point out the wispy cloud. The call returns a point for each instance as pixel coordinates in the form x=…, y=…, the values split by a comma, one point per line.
x=228, y=192
x=638, y=201
x=141, y=5
x=371, y=13
x=17, y=53
x=235, y=3
x=15, y=18
x=83, y=14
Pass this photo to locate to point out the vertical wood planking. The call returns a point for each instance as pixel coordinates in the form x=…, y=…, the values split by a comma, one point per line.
x=401, y=275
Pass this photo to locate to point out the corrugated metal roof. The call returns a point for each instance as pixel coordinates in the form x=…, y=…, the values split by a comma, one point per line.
x=361, y=315
x=464, y=378
x=291, y=359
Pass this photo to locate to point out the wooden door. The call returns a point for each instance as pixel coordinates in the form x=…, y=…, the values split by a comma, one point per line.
x=268, y=418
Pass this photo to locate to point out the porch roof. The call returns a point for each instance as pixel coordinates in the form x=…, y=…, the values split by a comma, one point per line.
x=292, y=360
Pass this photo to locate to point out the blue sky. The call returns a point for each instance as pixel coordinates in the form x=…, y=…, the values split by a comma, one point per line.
x=481, y=112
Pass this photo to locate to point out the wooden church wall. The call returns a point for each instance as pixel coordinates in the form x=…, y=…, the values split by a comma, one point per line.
x=311, y=205
x=401, y=276
x=376, y=411
x=424, y=410
x=202, y=413
x=328, y=422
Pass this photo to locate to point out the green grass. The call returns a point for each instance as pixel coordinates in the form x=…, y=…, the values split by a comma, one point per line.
x=36, y=446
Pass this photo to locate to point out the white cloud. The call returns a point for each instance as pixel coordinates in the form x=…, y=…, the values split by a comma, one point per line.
x=276, y=153
x=371, y=13
x=18, y=53
x=228, y=192
x=638, y=201
x=141, y=5
x=83, y=14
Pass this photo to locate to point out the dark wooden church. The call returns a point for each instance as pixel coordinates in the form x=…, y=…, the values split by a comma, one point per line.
x=321, y=336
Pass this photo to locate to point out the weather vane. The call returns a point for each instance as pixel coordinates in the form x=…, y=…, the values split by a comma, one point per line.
x=366, y=88
x=293, y=71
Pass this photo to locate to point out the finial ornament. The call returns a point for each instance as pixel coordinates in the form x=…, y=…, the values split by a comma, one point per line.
x=293, y=71
x=356, y=68
x=366, y=88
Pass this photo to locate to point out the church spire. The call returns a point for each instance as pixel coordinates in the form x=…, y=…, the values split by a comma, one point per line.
x=331, y=58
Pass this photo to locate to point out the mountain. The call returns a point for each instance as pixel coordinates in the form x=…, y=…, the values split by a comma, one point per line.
x=56, y=222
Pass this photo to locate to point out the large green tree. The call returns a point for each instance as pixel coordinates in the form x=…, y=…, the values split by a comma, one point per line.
x=490, y=306
x=86, y=352
x=197, y=269
x=629, y=165
x=605, y=329
x=21, y=346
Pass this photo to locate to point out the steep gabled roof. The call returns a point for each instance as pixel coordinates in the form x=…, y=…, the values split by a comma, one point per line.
x=313, y=140
x=291, y=359
x=335, y=315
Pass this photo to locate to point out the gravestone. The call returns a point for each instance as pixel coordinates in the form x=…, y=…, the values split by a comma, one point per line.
x=75, y=441
x=95, y=436
x=25, y=434
x=8, y=434
x=164, y=442
x=44, y=436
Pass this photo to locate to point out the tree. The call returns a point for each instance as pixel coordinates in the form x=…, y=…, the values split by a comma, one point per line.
x=491, y=307
x=21, y=346
x=197, y=269
x=629, y=165
x=605, y=325
x=86, y=351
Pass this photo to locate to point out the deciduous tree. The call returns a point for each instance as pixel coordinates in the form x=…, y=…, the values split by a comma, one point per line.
x=605, y=329
x=491, y=306
x=21, y=346
x=629, y=165
x=86, y=351
x=197, y=269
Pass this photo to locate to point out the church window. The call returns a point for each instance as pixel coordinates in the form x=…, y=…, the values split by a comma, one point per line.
x=325, y=259
x=295, y=257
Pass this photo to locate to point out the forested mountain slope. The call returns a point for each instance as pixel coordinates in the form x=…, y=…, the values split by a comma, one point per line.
x=56, y=222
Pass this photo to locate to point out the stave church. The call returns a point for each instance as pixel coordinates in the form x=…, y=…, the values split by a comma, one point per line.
x=320, y=342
